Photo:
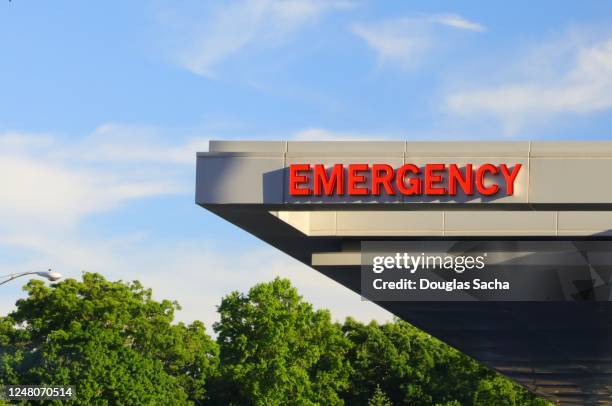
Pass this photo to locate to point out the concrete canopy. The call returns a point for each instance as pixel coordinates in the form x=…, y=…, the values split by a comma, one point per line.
x=560, y=350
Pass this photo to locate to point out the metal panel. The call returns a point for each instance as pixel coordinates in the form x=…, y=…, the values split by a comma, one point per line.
x=585, y=223
x=342, y=148
x=239, y=179
x=570, y=180
x=571, y=149
x=493, y=223
x=404, y=223
x=273, y=147
x=467, y=149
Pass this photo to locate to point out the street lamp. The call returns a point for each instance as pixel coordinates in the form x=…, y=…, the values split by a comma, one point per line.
x=50, y=275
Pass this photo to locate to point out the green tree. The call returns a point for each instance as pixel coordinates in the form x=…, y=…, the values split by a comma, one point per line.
x=455, y=376
x=499, y=390
x=496, y=391
x=412, y=368
x=396, y=356
x=118, y=346
x=110, y=340
x=379, y=398
x=276, y=349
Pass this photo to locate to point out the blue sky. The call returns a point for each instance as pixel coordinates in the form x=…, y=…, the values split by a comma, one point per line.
x=104, y=104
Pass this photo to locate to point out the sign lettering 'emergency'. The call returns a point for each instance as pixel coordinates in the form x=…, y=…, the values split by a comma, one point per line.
x=436, y=179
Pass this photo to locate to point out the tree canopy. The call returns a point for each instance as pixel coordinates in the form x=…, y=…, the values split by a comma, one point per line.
x=274, y=347
x=109, y=339
x=117, y=345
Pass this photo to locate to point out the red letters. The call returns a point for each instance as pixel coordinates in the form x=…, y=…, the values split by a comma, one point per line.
x=295, y=179
x=431, y=178
x=480, y=180
x=510, y=177
x=435, y=179
x=456, y=177
x=415, y=182
x=354, y=179
x=335, y=182
x=385, y=180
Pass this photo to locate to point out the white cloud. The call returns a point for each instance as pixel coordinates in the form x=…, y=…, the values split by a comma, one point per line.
x=113, y=142
x=12, y=141
x=394, y=41
x=456, y=21
x=248, y=23
x=584, y=86
x=44, y=191
x=48, y=181
x=50, y=185
x=407, y=40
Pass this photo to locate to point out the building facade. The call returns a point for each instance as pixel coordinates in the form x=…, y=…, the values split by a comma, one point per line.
x=321, y=201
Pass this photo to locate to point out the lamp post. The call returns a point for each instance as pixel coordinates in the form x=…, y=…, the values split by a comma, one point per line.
x=50, y=275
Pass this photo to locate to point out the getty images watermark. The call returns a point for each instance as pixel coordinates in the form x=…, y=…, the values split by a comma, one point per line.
x=411, y=263
x=466, y=270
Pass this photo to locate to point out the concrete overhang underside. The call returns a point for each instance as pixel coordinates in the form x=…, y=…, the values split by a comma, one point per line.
x=560, y=350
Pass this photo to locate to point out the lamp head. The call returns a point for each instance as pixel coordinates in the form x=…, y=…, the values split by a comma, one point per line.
x=50, y=275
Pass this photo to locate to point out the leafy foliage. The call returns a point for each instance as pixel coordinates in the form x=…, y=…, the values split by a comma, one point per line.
x=110, y=339
x=119, y=346
x=276, y=348
x=410, y=367
x=379, y=398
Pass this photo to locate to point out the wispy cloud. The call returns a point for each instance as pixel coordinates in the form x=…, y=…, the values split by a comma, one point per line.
x=456, y=21
x=406, y=41
x=248, y=23
x=400, y=41
x=583, y=86
x=50, y=186
x=116, y=142
x=46, y=180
